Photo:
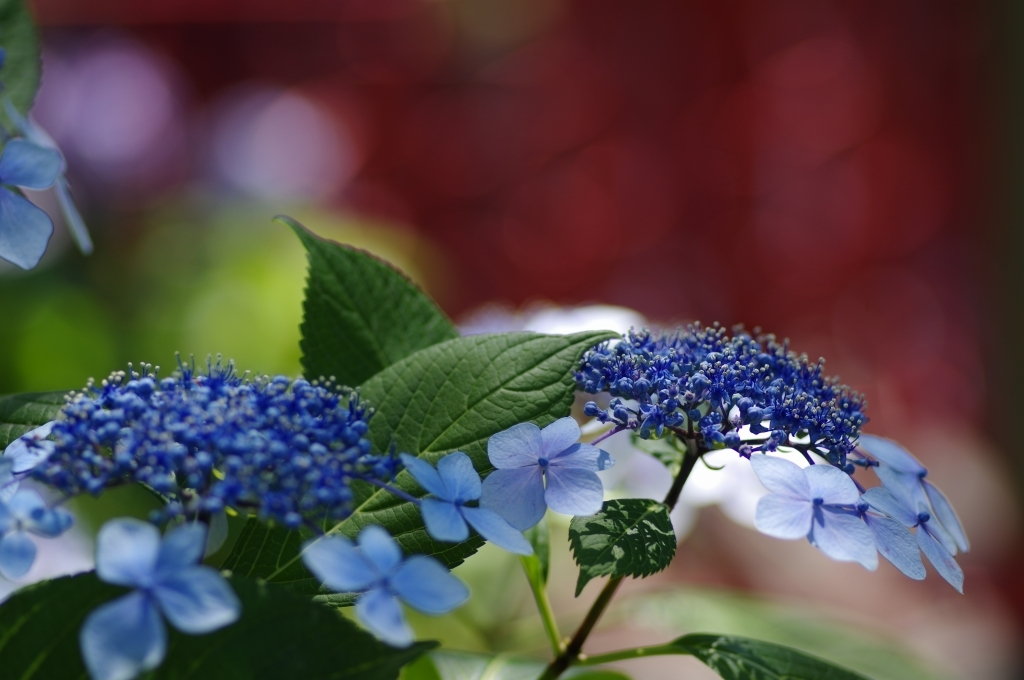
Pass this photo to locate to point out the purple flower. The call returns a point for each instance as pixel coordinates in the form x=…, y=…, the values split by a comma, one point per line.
x=24, y=228
x=375, y=568
x=454, y=483
x=526, y=456
x=818, y=502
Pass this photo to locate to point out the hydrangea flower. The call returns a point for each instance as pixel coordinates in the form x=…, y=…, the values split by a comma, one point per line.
x=904, y=475
x=30, y=449
x=526, y=457
x=814, y=502
x=288, y=450
x=934, y=541
x=375, y=568
x=26, y=513
x=25, y=229
x=125, y=637
x=894, y=541
x=454, y=483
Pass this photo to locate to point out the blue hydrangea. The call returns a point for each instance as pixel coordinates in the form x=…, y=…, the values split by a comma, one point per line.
x=285, y=449
x=704, y=381
x=25, y=229
x=26, y=513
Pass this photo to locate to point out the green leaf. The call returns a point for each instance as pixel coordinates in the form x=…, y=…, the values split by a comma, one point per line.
x=279, y=635
x=450, y=665
x=630, y=537
x=361, y=314
x=20, y=413
x=449, y=397
x=539, y=563
x=736, y=658
x=20, y=74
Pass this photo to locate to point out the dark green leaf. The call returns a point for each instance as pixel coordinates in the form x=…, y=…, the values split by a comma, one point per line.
x=360, y=313
x=20, y=74
x=630, y=537
x=540, y=561
x=736, y=658
x=20, y=413
x=279, y=635
x=449, y=397
x=449, y=665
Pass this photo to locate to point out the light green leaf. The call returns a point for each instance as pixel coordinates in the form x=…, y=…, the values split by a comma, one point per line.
x=20, y=74
x=629, y=537
x=450, y=665
x=736, y=658
x=449, y=397
x=279, y=635
x=20, y=413
x=360, y=313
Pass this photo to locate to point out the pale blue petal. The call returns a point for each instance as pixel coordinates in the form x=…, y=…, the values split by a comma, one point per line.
x=25, y=230
x=126, y=552
x=72, y=218
x=380, y=612
x=444, y=523
x=940, y=535
x=427, y=585
x=781, y=476
x=947, y=516
x=517, y=495
x=831, y=484
x=583, y=456
x=458, y=474
x=941, y=560
x=182, y=546
x=379, y=548
x=783, y=517
x=6, y=518
x=518, y=446
x=7, y=472
x=24, y=456
x=50, y=522
x=843, y=536
x=339, y=565
x=28, y=165
x=492, y=527
x=903, y=486
x=197, y=600
x=6, y=494
x=426, y=476
x=558, y=436
x=123, y=638
x=884, y=501
x=26, y=504
x=890, y=453
x=17, y=553
x=572, y=491
x=897, y=545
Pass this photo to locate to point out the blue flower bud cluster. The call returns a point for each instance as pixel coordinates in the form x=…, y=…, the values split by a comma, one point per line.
x=287, y=450
x=704, y=381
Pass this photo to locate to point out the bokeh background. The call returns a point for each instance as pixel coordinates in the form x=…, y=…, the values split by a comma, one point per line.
x=845, y=174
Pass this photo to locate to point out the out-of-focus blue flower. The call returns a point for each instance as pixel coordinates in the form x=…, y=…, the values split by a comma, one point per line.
x=904, y=475
x=127, y=636
x=455, y=483
x=934, y=541
x=817, y=502
x=24, y=228
x=288, y=450
x=26, y=513
x=526, y=456
x=375, y=568
x=30, y=449
x=61, y=188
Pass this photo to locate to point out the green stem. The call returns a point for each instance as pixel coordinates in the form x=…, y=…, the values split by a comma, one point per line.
x=540, y=596
x=622, y=655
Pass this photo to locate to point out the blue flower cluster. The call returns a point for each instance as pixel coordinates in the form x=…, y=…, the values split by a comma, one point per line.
x=287, y=450
x=708, y=383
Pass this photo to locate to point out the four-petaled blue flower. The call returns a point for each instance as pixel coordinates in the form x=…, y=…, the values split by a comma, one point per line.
x=816, y=502
x=24, y=228
x=525, y=455
x=375, y=568
x=127, y=636
x=904, y=475
x=23, y=455
x=455, y=483
x=935, y=542
x=26, y=513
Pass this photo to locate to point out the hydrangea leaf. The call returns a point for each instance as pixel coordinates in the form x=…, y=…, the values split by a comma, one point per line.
x=21, y=413
x=737, y=658
x=629, y=537
x=449, y=397
x=279, y=635
x=20, y=73
x=451, y=665
x=360, y=314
